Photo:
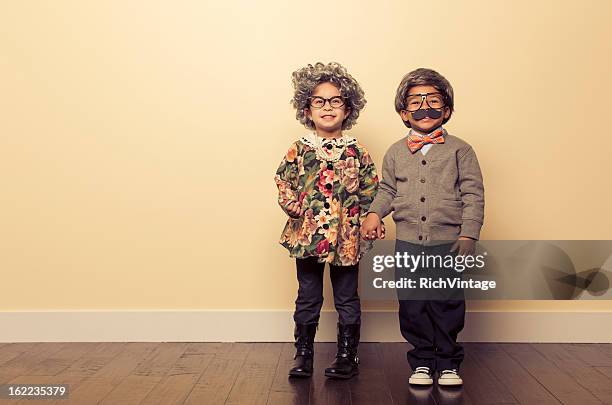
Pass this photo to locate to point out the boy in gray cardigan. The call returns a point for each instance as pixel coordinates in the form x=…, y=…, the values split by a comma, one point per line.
x=432, y=183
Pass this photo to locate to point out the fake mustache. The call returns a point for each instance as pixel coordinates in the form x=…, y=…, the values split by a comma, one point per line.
x=428, y=112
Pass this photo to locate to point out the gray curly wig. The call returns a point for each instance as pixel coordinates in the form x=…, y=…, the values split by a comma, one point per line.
x=424, y=77
x=307, y=78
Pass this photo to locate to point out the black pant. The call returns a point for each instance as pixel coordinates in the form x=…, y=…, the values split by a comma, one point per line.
x=432, y=325
x=310, y=292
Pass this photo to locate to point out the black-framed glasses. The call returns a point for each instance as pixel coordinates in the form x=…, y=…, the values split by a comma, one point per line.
x=414, y=102
x=319, y=102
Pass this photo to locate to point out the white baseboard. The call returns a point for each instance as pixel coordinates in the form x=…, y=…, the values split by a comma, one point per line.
x=277, y=326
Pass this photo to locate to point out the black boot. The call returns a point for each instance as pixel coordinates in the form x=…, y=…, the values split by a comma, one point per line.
x=304, y=344
x=346, y=364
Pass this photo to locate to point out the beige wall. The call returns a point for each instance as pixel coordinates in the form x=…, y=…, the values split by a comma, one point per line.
x=138, y=139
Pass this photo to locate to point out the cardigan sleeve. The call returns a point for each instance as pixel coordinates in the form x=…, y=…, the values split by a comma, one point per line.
x=472, y=194
x=286, y=178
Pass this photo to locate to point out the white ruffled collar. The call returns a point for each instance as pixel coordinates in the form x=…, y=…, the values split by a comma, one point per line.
x=312, y=139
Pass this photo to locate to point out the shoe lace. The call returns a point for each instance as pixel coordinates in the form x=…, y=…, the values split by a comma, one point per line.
x=451, y=371
x=422, y=370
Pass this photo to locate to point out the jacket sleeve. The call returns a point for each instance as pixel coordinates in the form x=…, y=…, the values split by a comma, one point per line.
x=386, y=189
x=286, y=179
x=472, y=194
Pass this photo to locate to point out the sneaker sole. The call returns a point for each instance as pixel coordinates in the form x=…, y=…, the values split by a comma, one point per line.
x=420, y=382
x=450, y=384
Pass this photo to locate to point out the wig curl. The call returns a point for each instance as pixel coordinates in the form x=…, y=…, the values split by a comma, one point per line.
x=307, y=78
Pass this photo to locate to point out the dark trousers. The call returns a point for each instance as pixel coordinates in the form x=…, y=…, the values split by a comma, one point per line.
x=431, y=325
x=310, y=292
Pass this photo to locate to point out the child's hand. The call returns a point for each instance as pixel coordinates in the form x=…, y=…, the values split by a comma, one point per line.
x=295, y=209
x=466, y=246
x=371, y=228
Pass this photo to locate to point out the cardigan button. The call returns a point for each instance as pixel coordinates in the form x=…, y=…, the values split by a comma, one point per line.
x=422, y=180
x=422, y=199
x=326, y=205
x=328, y=186
x=423, y=162
x=329, y=146
x=330, y=166
x=423, y=219
x=420, y=237
x=325, y=226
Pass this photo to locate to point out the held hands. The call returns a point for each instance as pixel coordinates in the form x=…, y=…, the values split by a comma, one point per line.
x=466, y=246
x=295, y=209
x=372, y=228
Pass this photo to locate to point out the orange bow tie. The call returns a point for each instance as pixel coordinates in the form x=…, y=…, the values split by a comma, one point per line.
x=416, y=142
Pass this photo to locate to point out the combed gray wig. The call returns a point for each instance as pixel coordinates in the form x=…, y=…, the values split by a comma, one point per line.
x=424, y=77
x=307, y=78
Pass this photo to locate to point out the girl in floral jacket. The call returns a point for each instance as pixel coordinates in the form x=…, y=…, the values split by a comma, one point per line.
x=326, y=183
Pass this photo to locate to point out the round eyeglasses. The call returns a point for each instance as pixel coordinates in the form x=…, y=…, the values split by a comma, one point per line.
x=414, y=102
x=319, y=102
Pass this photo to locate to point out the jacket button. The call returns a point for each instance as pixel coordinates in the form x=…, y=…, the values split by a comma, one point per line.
x=420, y=237
x=423, y=218
x=423, y=162
x=422, y=199
x=422, y=180
x=330, y=166
x=328, y=186
x=326, y=205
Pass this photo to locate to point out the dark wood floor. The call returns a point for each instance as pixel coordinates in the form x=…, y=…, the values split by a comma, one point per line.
x=256, y=373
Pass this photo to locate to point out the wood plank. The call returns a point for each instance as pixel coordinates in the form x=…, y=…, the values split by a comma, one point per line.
x=397, y=372
x=178, y=382
x=82, y=368
x=11, y=350
x=555, y=380
x=525, y=388
x=252, y=386
x=480, y=383
x=67, y=374
x=163, y=358
x=370, y=385
x=94, y=361
x=28, y=360
x=62, y=359
x=285, y=398
x=324, y=390
x=48, y=369
x=132, y=390
x=593, y=354
x=217, y=373
x=598, y=384
x=285, y=390
x=121, y=360
x=217, y=380
x=605, y=348
x=204, y=347
x=607, y=371
x=136, y=386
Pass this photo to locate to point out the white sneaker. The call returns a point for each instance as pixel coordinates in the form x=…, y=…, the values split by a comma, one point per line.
x=449, y=378
x=421, y=376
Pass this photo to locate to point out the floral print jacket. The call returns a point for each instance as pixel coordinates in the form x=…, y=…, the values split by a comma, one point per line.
x=335, y=198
